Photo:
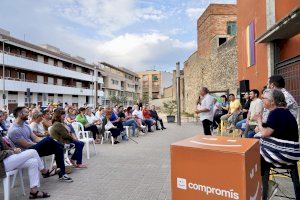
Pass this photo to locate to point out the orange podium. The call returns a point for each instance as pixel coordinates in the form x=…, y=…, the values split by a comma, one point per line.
x=210, y=167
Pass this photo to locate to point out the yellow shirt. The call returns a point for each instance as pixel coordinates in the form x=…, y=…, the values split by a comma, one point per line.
x=234, y=105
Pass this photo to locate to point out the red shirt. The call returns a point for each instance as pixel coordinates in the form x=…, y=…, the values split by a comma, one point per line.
x=147, y=114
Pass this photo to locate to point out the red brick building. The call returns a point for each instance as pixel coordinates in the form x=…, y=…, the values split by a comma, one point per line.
x=217, y=22
x=274, y=27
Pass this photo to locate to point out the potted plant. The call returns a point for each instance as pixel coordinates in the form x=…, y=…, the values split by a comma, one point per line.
x=170, y=108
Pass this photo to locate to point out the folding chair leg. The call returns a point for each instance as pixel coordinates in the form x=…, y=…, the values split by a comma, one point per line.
x=14, y=181
x=112, y=140
x=22, y=182
x=52, y=162
x=88, y=150
x=6, y=188
x=102, y=139
x=94, y=148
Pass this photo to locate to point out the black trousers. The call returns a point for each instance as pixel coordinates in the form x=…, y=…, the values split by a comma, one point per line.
x=160, y=121
x=93, y=129
x=206, y=126
x=265, y=173
x=48, y=146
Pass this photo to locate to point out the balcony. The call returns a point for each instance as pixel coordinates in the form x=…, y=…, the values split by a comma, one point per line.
x=155, y=89
x=21, y=86
x=33, y=65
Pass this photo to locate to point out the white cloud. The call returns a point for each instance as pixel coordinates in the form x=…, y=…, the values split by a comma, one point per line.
x=134, y=49
x=143, y=51
x=194, y=13
x=107, y=16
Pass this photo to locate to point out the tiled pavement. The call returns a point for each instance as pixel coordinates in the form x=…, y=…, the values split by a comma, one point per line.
x=124, y=171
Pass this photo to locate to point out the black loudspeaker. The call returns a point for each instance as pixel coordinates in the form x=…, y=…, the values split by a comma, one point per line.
x=244, y=86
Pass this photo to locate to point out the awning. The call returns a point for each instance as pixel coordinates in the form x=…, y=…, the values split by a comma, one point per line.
x=286, y=28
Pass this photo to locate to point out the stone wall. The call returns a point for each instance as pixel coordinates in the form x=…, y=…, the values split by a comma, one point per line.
x=218, y=72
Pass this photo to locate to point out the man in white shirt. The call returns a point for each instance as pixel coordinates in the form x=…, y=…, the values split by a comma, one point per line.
x=206, y=110
x=256, y=108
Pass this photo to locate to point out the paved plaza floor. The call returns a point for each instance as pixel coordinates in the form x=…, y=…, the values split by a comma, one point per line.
x=124, y=171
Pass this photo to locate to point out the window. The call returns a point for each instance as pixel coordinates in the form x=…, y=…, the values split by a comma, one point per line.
x=50, y=80
x=22, y=77
x=231, y=28
x=222, y=41
x=7, y=73
x=154, y=78
x=58, y=81
x=40, y=79
x=23, y=53
x=145, y=78
x=114, y=82
x=79, y=84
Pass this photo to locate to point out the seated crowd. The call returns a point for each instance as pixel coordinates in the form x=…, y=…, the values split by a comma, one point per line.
x=272, y=118
x=31, y=133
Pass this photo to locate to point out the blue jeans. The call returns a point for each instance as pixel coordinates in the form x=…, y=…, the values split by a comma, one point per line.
x=250, y=134
x=132, y=123
x=240, y=124
x=78, y=151
x=149, y=123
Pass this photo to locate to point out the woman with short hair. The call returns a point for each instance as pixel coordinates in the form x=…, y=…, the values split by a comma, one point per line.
x=280, y=146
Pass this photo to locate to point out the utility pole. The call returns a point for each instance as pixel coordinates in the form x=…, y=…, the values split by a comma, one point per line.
x=3, y=71
x=178, y=93
x=95, y=96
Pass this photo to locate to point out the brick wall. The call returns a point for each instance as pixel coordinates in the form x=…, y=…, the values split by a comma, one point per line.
x=213, y=22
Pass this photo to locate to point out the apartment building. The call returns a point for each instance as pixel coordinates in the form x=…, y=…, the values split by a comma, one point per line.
x=153, y=83
x=50, y=74
x=121, y=86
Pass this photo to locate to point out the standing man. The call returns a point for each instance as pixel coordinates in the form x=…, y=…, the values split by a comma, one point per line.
x=206, y=110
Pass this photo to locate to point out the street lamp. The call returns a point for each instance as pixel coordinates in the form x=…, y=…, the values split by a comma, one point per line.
x=3, y=72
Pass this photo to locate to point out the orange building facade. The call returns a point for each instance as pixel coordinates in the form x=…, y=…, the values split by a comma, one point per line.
x=269, y=42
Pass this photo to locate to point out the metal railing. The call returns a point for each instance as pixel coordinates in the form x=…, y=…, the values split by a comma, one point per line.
x=36, y=60
x=33, y=81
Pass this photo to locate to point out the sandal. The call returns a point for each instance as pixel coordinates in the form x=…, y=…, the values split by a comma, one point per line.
x=81, y=166
x=37, y=196
x=47, y=174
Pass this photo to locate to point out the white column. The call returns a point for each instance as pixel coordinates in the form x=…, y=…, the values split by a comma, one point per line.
x=271, y=20
x=21, y=99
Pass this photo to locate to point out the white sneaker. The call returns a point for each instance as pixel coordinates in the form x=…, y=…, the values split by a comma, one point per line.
x=65, y=178
x=142, y=126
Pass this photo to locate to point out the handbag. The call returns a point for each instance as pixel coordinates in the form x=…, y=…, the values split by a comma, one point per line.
x=109, y=125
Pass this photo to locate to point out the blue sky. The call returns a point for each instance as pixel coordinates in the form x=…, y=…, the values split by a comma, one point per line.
x=129, y=33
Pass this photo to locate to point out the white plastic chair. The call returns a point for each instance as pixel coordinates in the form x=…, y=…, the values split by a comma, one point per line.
x=6, y=182
x=127, y=128
x=83, y=136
